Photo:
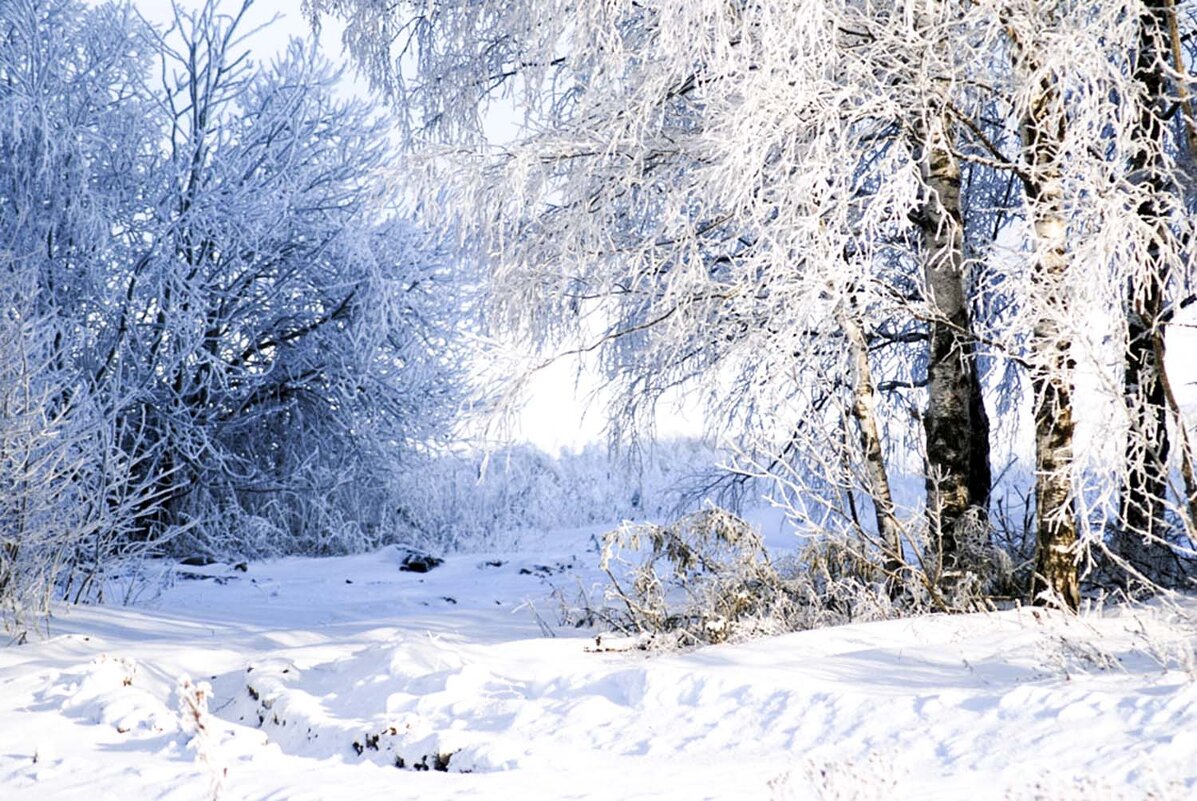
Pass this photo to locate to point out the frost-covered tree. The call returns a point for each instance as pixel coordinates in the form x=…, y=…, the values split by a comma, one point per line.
x=732, y=191
x=1159, y=168
x=72, y=144
x=297, y=343
x=217, y=333
x=826, y=215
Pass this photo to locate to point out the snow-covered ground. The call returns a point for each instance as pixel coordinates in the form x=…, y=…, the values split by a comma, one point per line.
x=326, y=673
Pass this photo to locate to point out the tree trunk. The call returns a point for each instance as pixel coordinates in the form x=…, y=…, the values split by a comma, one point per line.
x=1055, y=555
x=1145, y=485
x=864, y=409
x=1042, y=130
x=956, y=425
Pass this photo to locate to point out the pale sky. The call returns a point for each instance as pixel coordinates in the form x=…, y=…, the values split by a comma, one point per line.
x=265, y=43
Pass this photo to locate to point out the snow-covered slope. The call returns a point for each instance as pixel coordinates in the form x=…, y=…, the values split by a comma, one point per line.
x=327, y=674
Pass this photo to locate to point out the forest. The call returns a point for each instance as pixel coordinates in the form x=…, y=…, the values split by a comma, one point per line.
x=923, y=270
x=889, y=252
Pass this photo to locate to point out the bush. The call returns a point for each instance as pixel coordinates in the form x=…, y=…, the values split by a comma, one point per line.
x=707, y=578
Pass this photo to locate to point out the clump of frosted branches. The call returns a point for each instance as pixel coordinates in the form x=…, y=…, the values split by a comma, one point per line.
x=213, y=319
x=707, y=578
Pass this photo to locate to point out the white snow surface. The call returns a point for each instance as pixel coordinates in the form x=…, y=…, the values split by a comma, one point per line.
x=324, y=673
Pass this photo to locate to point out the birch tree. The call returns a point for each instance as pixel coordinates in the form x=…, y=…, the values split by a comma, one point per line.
x=737, y=187
x=1042, y=124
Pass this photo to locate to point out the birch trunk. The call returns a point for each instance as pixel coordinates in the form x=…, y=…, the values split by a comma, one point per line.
x=864, y=409
x=955, y=423
x=1042, y=130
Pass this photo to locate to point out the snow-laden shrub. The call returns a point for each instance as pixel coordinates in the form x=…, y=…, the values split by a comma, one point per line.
x=704, y=578
x=218, y=336
x=707, y=578
x=981, y=570
x=68, y=484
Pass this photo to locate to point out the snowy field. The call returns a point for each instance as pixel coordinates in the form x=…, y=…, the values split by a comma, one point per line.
x=326, y=674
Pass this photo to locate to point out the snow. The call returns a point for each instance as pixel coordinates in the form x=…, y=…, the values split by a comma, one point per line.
x=325, y=672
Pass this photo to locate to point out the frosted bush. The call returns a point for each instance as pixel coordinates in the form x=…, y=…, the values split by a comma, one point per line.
x=707, y=578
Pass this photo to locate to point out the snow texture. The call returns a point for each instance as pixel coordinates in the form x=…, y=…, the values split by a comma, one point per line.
x=326, y=674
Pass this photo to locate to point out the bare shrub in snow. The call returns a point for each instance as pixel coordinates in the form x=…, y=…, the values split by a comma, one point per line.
x=197, y=722
x=1167, y=634
x=704, y=578
x=707, y=578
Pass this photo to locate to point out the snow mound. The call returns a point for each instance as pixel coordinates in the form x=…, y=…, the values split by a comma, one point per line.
x=108, y=691
x=322, y=678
